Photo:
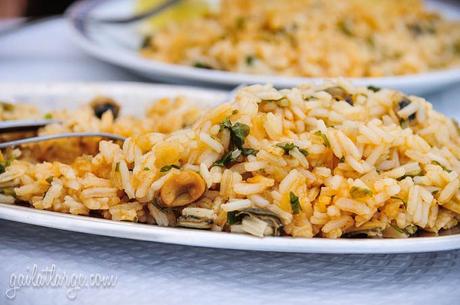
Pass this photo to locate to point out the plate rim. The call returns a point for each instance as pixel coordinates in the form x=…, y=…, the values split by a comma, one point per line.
x=224, y=240
x=227, y=78
x=193, y=237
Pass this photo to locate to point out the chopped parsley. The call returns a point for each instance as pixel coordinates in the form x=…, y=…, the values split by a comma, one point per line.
x=5, y=163
x=168, y=167
x=282, y=102
x=228, y=158
x=9, y=191
x=359, y=192
x=345, y=27
x=404, y=124
x=232, y=218
x=442, y=166
x=249, y=151
x=240, y=22
x=250, y=60
x=48, y=116
x=397, y=229
x=398, y=198
x=238, y=132
x=287, y=147
x=323, y=137
x=146, y=168
x=373, y=88
x=146, y=41
x=295, y=203
x=410, y=229
x=411, y=176
x=202, y=65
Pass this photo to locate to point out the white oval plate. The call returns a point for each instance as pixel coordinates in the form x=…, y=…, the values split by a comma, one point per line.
x=119, y=45
x=134, y=97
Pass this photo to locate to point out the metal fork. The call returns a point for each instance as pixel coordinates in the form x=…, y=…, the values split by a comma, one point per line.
x=32, y=125
x=61, y=136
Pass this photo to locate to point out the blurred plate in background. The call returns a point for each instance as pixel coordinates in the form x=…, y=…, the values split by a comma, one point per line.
x=118, y=44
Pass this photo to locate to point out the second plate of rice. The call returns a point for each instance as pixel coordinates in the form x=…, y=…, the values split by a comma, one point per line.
x=394, y=44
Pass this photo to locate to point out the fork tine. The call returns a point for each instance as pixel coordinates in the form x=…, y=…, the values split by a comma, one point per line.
x=24, y=125
x=61, y=136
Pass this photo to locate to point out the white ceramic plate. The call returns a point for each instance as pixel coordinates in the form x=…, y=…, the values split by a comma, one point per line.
x=134, y=97
x=119, y=45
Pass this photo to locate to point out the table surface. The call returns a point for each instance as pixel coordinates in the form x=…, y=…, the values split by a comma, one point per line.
x=153, y=273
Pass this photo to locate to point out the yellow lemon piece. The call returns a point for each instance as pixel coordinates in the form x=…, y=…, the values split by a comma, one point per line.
x=182, y=11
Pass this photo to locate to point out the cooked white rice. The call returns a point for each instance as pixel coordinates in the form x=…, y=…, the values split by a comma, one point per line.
x=357, y=38
x=331, y=161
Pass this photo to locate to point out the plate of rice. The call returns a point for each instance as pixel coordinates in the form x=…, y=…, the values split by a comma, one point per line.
x=413, y=45
x=328, y=168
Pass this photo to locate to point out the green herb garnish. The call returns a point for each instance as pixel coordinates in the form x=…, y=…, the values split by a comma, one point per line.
x=250, y=60
x=232, y=218
x=411, y=229
x=324, y=137
x=282, y=102
x=411, y=176
x=249, y=151
x=404, y=124
x=442, y=166
x=240, y=22
x=202, y=66
x=398, y=198
x=345, y=27
x=228, y=158
x=295, y=204
x=146, y=41
x=359, y=192
x=398, y=229
x=9, y=191
x=49, y=179
x=168, y=167
x=287, y=147
x=146, y=168
x=48, y=116
x=373, y=88
x=238, y=132
x=2, y=168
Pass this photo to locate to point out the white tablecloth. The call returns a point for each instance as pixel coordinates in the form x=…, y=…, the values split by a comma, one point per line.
x=152, y=273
